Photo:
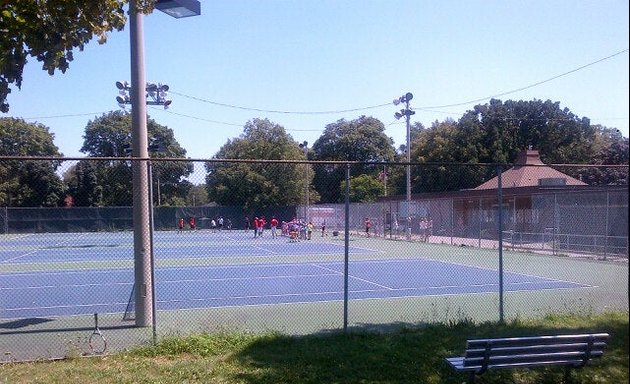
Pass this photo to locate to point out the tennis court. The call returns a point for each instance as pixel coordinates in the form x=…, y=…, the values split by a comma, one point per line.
x=48, y=275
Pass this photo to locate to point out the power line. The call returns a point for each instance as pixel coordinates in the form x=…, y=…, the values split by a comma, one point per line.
x=529, y=86
x=278, y=111
x=351, y=109
x=69, y=115
x=224, y=123
x=198, y=118
x=387, y=104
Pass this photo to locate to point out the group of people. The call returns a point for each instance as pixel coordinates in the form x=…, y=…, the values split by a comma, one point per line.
x=299, y=230
x=295, y=229
x=220, y=224
x=259, y=224
x=181, y=224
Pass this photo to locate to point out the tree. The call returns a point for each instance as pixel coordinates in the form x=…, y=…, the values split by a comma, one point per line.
x=28, y=183
x=361, y=140
x=256, y=185
x=363, y=189
x=110, y=136
x=50, y=30
x=83, y=186
x=198, y=195
x=609, y=148
x=443, y=143
x=415, y=130
x=508, y=128
x=495, y=133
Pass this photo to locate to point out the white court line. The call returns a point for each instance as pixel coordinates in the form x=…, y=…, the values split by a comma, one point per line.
x=66, y=286
x=66, y=306
x=245, y=278
x=353, y=277
x=265, y=250
x=39, y=249
x=19, y=236
x=20, y=256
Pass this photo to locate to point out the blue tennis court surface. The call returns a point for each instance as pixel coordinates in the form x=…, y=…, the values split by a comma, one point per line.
x=76, y=292
x=50, y=248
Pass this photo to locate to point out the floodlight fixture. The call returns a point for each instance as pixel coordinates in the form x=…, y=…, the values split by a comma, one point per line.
x=155, y=94
x=406, y=98
x=304, y=144
x=122, y=85
x=398, y=115
x=179, y=8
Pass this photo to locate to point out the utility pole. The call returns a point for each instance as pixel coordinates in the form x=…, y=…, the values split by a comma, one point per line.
x=304, y=146
x=407, y=112
x=143, y=270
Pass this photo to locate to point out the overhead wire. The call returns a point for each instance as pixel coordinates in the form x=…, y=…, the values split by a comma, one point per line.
x=529, y=86
x=278, y=111
x=338, y=111
x=387, y=104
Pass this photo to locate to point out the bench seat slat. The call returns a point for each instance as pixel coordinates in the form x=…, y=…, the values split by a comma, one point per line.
x=576, y=357
x=458, y=366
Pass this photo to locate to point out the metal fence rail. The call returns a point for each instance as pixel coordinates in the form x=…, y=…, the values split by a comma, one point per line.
x=442, y=256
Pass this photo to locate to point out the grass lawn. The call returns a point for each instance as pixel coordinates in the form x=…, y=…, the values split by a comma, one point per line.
x=408, y=355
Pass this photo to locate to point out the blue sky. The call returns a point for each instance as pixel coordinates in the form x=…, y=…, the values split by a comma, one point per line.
x=254, y=57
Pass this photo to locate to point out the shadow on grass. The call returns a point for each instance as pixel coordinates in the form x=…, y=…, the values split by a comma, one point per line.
x=412, y=353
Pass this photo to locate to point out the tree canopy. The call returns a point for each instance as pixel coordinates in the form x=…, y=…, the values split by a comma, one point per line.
x=495, y=133
x=110, y=136
x=259, y=185
x=363, y=189
x=50, y=31
x=361, y=140
x=485, y=135
x=28, y=183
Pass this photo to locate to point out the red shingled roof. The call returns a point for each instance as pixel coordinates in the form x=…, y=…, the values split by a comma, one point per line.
x=530, y=171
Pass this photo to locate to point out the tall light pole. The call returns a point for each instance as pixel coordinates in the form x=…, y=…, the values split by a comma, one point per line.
x=304, y=146
x=407, y=112
x=143, y=270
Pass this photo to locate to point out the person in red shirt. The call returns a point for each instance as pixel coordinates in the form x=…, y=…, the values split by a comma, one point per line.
x=255, y=223
x=192, y=223
x=180, y=224
x=274, y=226
x=261, y=225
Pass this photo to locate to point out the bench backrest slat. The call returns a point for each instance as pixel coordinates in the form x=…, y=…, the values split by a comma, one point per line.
x=537, y=340
x=573, y=350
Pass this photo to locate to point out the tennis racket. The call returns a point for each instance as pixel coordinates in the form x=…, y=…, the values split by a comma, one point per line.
x=97, y=342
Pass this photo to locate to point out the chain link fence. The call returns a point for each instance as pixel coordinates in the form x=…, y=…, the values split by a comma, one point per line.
x=349, y=250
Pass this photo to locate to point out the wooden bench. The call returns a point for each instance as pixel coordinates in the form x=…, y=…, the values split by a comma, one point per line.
x=570, y=351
